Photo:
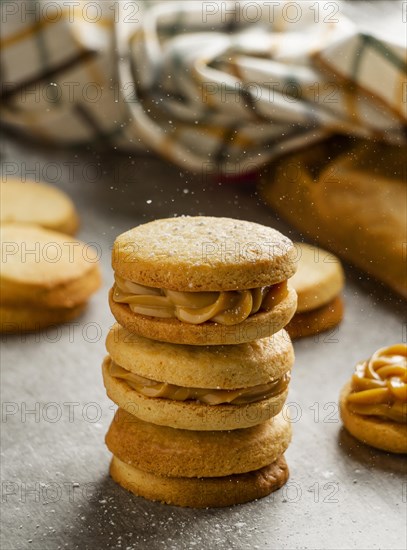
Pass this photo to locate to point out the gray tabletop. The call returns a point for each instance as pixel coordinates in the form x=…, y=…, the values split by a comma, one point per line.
x=56, y=491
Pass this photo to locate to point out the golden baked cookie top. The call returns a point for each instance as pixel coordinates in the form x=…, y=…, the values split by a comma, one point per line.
x=203, y=254
x=319, y=277
x=37, y=203
x=226, y=367
x=36, y=257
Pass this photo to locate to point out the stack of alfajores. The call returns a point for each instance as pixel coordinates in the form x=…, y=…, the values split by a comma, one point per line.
x=199, y=363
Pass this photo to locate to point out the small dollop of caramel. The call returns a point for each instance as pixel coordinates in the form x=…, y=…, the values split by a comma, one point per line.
x=379, y=385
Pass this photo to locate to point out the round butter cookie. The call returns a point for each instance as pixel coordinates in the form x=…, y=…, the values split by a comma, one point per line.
x=203, y=254
x=373, y=405
x=184, y=453
x=317, y=320
x=190, y=414
x=318, y=282
x=376, y=432
x=45, y=269
x=204, y=492
x=46, y=278
x=203, y=280
x=39, y=204
x=226, y=367
x=319, y=277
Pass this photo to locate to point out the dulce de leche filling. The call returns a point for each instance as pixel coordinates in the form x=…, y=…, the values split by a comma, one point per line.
x=379, y=385
x=242, y=396
x=225, y=307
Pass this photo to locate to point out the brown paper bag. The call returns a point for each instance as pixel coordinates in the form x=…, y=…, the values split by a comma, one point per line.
x=350, y=197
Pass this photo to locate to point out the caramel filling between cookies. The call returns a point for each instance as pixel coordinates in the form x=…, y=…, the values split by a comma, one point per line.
x=379, y=385
x=241, y=396
x=225, y=307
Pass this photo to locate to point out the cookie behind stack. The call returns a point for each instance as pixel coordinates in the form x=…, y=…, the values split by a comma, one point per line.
x=200, y=366
x=318, y=282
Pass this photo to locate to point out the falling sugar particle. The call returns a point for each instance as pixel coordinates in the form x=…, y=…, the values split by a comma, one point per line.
x=149, y=201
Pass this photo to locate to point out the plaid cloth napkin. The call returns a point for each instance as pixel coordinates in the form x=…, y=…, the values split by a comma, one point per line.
x=216, y=85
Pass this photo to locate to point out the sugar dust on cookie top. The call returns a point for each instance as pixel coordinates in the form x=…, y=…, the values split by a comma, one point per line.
x=203, y=253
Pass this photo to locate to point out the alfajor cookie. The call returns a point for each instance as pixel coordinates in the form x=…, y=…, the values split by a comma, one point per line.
x=185, y=453
x=37, y=203
x=203, y=280
x=198, y=387
x=202, y=492
x=373, y=405
x=46, y=277
x=318, y=282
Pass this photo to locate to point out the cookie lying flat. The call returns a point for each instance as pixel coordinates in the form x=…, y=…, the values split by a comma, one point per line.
x=39, y=204
x=318, y=282
x=24, y=319
x=201, y=492
x=373, y=405
x=317, y=320
x=203, y=281
x=44, y=271
x=184, y=453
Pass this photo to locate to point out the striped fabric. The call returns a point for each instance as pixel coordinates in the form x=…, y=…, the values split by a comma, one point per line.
x=209, y=85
